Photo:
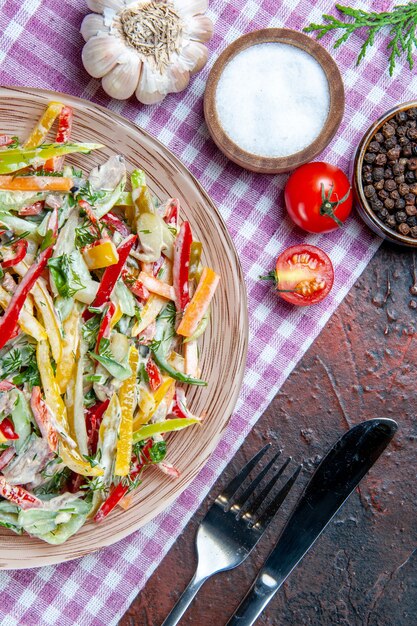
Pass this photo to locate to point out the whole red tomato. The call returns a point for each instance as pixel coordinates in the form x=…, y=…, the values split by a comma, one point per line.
x=318, y=197
x=303, y=275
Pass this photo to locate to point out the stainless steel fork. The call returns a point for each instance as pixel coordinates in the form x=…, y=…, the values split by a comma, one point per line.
x=233, y=526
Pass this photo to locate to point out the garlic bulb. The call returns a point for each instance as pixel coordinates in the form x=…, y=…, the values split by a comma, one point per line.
x=146, y=47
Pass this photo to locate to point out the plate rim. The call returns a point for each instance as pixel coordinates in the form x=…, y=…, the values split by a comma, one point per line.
x=21, y=91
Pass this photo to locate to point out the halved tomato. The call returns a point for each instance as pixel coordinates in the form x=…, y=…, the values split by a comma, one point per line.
x=303, y=275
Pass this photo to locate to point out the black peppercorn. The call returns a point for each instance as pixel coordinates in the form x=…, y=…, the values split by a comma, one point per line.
x=403, y=189
x=388, y=172
x=412, y=113
x=379, y=137
x=376, y=204
x=414, y=149
x=401, y=216
x=403, y=163
x=380, y=159
x=403, y=141
x=410, y=199
x=399, y=204
x=401, y=130
x=383, y=194
x=399, y=179
x=411, y=210
x=369, y=191
x=394, y=195
x=379, y=185
x=407, y=151
x=412, y=133
x=401, y=116
x=383, y=214
x=389, y=204
x=404, y=229
x=413, y=188
x=409, y=177
x=391, y=221
x=412, y=221
x=374, y=146
x=388, y=130
x=397, y=169
x=378, y=173
x=389, y=143
x=367, y=168
x=412, y=164
x=413, y=232
x=367, y=177
x=390, y=185
x=369, y=157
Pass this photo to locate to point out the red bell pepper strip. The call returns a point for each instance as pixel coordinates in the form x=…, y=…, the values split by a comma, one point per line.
x=20, y=249
x=7, y=429
x=157, y=266
x=111, y=275
x=135, y=286
x=114, y=223
x=182, y=250
x=32, y=209
x=6, y=140
x=6, y=385
x=171, y=216
x=94, y=418
x=154, y=375
x=85, y=206
x=62, y=136
x=43, y=419
x=18, y=495
x=105, y=326
x=6, y=456
x=8, y=322
x=118, y=493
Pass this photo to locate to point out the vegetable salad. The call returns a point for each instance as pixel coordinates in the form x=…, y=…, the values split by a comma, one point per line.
x=104, y=297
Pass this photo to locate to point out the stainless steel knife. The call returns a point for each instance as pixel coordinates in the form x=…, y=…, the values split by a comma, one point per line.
x=336, y=477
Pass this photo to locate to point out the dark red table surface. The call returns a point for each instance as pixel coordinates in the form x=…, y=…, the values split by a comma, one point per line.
x=363, y=570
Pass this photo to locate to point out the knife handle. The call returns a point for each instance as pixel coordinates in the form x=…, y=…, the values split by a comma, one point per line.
x=261, y=592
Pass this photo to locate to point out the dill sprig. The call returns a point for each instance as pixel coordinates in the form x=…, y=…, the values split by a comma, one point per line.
x=401, y=23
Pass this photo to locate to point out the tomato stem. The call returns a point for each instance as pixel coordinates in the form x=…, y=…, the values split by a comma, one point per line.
x=272, y=275
x=328, y=207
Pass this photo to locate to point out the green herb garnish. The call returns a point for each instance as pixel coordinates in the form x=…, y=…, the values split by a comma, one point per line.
x=400, y=23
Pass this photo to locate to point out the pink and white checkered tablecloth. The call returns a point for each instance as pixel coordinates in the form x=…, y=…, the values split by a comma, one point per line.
x=40, y=46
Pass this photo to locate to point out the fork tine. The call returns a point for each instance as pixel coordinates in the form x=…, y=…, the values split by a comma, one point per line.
x=236, y=482
x=270, y=511
x=267, y=490
x=242, y=500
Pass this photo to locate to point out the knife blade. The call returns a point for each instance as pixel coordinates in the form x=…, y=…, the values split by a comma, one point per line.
x=335, y=478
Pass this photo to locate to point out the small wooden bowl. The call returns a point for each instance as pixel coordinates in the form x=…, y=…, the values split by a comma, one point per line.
x=275, y=165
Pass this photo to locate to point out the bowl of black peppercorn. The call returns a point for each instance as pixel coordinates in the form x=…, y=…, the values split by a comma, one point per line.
x=385, y=176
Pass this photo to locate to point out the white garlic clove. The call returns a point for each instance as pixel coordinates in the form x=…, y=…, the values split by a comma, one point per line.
x=179, y=78
x=199, y=28
x=98, y=6
x=91, y=25
x=153, y=86
x=122, y=80
x=101, y=53
x=188, y=8
x=193, y=56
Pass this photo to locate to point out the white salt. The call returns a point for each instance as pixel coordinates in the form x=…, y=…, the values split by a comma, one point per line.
x=273, y=99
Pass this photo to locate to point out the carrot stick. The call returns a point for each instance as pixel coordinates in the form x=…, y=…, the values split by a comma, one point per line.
x=36, y=183
x=156, y=286
x=199, y=303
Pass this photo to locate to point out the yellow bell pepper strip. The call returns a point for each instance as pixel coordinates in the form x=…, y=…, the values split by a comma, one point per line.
x=67, y=447
x=200, y=302
x=36, y=183
x=157, y=286
x=107, y=445
x=111, y=275
x=9, y=320
x=42, y=128
x=15, y=159
x=149, y=313
x=141, y=197
x=45, y=307
x=167, y=426
x=65, y=367
x=18, y=495
x=63, y=135
x=117, y=316
x=195, y=260
x=75, y=401
x=101, y=253
x=127, y=402
x=28, y=324
x=143, y=417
